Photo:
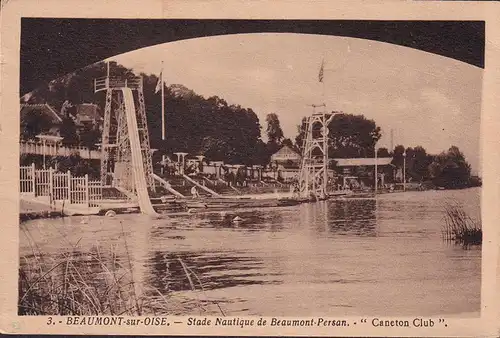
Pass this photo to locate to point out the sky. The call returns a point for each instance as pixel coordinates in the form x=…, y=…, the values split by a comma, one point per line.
x=426, y=99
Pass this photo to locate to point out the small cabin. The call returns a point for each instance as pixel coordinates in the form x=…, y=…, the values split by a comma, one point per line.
x=87, y=114
x=286, y=157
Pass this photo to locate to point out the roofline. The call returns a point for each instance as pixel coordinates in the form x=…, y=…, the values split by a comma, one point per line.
x=54, y=112
x=291, y=148
x=43, y=104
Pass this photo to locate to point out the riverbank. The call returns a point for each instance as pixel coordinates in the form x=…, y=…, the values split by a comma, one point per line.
x=29, y=210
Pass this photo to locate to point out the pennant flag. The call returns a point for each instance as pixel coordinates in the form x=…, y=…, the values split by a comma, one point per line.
x=321, y=71
x=159, y=84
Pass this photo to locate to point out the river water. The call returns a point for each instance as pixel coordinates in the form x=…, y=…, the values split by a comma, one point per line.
x=339, y=257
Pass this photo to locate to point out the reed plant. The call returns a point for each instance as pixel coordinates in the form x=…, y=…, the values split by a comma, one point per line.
x=460, y=227
x=93, y=282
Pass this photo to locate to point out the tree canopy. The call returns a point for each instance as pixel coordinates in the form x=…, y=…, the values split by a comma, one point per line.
x=274, y=131
x=450, y=169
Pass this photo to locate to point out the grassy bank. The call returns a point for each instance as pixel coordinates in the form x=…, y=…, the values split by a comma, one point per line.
x=97, y=281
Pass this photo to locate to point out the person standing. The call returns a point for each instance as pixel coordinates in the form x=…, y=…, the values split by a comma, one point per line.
x=194, y=192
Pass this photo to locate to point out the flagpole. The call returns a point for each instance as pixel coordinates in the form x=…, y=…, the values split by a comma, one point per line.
x=323, y=83
x=323, y=94
x=162, y=105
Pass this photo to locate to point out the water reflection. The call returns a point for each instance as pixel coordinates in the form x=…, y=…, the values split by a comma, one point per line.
x=353, y=217
x=197, y=270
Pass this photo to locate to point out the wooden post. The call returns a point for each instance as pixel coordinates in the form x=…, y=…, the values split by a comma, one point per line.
x=87, y=190
x=404, y=170
x=69, y=185
x=51, y=185
x=33, y=176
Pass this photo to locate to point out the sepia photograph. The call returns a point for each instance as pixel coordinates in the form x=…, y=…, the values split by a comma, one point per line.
x=214, y=172
x=209, y=174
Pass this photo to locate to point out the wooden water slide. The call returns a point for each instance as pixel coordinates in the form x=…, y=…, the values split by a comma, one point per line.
x=167, y=186
x=210, y=191
x=139, y=173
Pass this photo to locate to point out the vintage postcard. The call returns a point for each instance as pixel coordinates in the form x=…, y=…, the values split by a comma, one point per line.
x=250, y=168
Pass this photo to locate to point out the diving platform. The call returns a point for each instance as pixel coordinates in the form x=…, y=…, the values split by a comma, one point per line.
x=107, y=82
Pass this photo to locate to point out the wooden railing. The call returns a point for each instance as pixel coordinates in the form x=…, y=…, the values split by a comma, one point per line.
x=60, y=186
x=50, y=149
x=104, y=83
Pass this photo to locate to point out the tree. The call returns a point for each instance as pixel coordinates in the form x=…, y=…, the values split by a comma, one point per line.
x=353, y=135
x=383, y=152
x=301, y=130
x=450, y=169
x=90, y=135
x=68, y=132
x=287, y=142
x=419, y=163
x=274, y=131
x=398, y=156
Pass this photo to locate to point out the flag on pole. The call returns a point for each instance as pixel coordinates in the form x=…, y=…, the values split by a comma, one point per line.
x=159, y=84
x=321, y=71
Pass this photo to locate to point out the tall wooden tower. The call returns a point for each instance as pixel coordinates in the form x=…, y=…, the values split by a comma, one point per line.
x=116, y=152
x=313, y=177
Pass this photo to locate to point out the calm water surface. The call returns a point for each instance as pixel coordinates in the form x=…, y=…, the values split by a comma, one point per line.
x=349, y=257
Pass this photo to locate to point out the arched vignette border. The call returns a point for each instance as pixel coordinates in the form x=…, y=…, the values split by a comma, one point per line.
x=52, y=47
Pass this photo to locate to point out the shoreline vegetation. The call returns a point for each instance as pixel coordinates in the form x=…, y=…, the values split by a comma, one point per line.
x=101, y=284
x=459, y=227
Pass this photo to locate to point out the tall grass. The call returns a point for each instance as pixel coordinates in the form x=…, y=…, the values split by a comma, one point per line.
x=92, y=282
x=460, y=227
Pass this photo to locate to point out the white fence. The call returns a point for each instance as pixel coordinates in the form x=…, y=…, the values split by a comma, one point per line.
x=51, y=149
x=27, y=179
x=60, y=186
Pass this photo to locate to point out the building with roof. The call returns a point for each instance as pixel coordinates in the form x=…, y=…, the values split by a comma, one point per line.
x=43, y=118
x=46, y=110
x=39, y=118
x=286, y=157
x=364, y=165
x=287, y=161
x=87, y=114
x=349, y=163
x=360, y=169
